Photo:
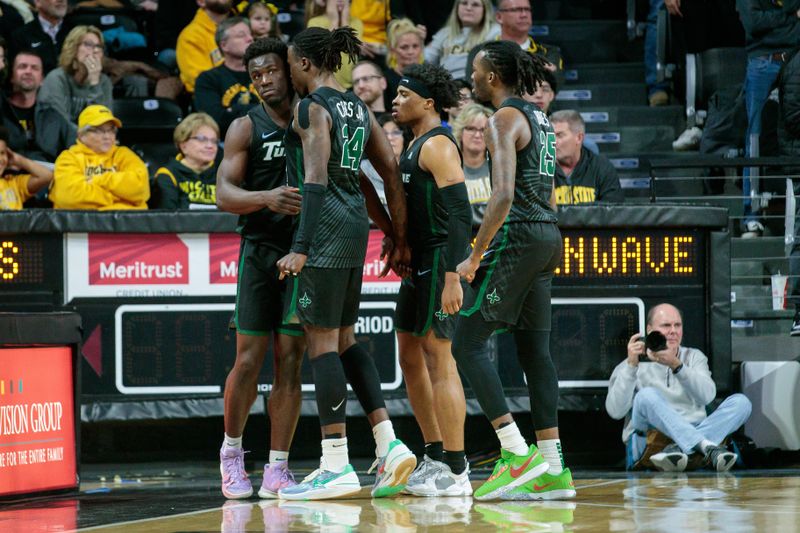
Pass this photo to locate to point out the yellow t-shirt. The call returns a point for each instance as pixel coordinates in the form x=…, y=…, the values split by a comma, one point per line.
x=375, y=15
x=13, y=191
x=345, y=74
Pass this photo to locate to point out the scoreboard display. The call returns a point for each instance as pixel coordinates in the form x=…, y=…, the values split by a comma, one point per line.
x=156, y=294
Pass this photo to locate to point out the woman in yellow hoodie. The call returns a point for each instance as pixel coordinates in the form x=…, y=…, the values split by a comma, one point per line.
x=95, y=173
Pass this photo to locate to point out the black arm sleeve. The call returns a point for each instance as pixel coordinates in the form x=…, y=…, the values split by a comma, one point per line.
x=313, y=198
x=459, y=223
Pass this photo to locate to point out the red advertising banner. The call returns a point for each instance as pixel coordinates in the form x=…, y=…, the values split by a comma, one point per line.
x=223, y=257
x=52, y=516
x=373, y=264
x=37, y=420
x=137, y=259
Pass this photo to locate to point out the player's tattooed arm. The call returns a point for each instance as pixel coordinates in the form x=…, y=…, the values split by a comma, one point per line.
x=231, y=196
x=379, y=152
x=501, y=137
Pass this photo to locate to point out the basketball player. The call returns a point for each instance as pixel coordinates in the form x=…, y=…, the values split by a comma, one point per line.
x=251, y=181
x=511, y=269
x=330, y=132
x=440, y=226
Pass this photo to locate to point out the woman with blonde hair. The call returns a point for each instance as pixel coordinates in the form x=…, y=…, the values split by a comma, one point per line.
x=337, y=15
x=190, y=180
x=470, y=23
x=78, y=81
x=405, y=41
x=468, y=130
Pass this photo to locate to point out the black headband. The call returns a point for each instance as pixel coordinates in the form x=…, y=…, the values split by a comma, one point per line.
x=417, y=86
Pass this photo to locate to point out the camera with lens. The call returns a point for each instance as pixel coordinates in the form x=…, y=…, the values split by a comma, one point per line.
x=655, y=341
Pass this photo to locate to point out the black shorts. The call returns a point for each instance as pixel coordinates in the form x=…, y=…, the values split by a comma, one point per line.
x=512, y=285
x=419, y=305
x=259, y=292
x=324, y=297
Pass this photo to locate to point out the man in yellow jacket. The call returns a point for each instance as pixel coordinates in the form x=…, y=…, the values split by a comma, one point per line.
x=95, y=173
x=197, y=49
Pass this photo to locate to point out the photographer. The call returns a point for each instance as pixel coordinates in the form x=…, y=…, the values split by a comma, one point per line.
x=666, y=386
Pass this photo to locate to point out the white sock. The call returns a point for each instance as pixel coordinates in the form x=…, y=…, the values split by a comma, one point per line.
x=511, y=439
x=334, y=453
x=704, y=444
x=277, y=456
x=384, y=435
x=551, y=451
x=232, y=442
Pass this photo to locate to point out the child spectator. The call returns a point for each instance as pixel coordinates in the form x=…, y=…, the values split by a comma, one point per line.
x=15, y=189
x=190, y=180
x=95, y=173
x=263, y=22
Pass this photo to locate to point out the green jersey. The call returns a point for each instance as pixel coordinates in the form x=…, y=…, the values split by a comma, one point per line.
x=341, y=236
x=536, y=166
x=427, y=215
x=266, y=169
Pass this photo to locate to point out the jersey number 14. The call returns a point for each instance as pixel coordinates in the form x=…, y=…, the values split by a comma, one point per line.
x=352, y=147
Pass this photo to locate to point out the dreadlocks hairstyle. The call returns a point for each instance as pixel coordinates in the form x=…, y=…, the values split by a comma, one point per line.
x=444, y=90
x=264, y=46
x=516, y=68
x=324, y=48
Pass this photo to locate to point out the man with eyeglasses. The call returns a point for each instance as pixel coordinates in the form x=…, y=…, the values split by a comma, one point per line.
x=369, y=84
x=515, y=18
x=45, y=34
x=225, y=92
x=95, y=173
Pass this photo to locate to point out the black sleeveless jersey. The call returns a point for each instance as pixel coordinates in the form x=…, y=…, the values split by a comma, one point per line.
x=536, y=166
x=341, y=236
x=427, y=215
x=266, y=169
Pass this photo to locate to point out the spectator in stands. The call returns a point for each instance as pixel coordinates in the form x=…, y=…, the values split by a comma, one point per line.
x=789, y=146
x=515, y=18
x=394, y=133
x=263, y=22
x=15, y=189
x=470, y=23
x=225, y=92
x=468, y=131
x=189, y=180
x=337, y=14
x=374, y=15
x=583, y=177
x=369, y=84
x=772, y=30
x=545, y=93
x=95, y=173
x=464, y=98
x=45, y=34
x=79, y=80
x=670, y=393
x=196, y=50
x=406, y=41
x=35, y=130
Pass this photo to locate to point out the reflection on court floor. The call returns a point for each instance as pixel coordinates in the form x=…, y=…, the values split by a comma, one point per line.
x=764, y=501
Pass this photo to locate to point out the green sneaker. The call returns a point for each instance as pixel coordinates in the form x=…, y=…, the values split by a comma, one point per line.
x=545, y=487
x=510, y=472
x=393, y=470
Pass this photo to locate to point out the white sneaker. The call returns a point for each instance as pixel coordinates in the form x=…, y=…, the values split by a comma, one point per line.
x=323, y=485
x=439, y=480
x=753, y=229
x=688, y=140
x=670, y=459
x=393, y=470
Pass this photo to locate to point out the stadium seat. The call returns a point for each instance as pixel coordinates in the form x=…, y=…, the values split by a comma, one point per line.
x=154, y=155
x=147, y=119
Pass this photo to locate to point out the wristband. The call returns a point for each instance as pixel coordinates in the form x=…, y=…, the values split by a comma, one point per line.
x=459, y=223
x=677, y=368
x=313, y=199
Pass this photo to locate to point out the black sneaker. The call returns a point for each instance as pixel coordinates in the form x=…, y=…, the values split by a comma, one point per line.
x=720, y=459
x=670, y=459
x=795, y=331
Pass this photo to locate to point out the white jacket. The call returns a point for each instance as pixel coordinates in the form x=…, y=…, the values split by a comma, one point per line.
x=688, y=391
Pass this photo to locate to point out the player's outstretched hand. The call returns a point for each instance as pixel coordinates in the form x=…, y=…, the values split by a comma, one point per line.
x=284, y=200
x=387, y=245
x=467, y=268
x=291, y=264
x=400, y=260
x=452, y=294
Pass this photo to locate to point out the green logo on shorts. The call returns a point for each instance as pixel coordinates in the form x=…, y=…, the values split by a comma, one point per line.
x=305, y=301
x=441, y=315
x=493, y=297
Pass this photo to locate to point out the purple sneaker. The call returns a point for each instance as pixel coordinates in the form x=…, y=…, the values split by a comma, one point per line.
x=276, y=477
x=235, y=483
